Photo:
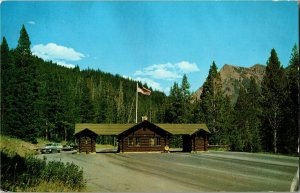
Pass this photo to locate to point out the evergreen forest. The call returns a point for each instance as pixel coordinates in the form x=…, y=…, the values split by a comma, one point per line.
x=40, y=99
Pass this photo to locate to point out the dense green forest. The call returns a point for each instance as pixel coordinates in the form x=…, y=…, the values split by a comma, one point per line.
x=43, y=99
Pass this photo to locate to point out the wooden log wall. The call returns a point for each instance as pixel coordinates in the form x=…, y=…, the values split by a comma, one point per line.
x=199, y=143
x=143, y=140
x=87, y=144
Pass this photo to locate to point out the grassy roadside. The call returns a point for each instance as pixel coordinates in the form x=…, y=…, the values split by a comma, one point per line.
x=21, y=147
x=22, y=171
x=100, y=146
x=16, y=146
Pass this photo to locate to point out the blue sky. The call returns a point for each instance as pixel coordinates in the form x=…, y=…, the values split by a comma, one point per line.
x=155, y=42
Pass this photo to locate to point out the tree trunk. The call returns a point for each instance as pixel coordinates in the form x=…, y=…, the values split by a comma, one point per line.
x=65, y=134
x=275, y=140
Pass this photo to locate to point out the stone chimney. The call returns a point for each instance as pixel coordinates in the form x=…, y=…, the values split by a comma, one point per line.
x=144, y=118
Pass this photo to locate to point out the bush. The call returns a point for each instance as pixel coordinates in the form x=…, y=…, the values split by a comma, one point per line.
x=25, y=173
x=33, y=140
x=50, y=186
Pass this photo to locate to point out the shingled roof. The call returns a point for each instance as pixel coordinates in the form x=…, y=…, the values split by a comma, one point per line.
x=103, y=129
x=183, y=129
x=116, y=129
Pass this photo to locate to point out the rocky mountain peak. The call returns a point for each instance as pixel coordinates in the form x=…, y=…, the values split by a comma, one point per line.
x=233, y=77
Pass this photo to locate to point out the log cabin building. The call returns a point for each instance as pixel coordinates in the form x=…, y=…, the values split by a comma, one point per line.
x=144, y=136
x=86, y=140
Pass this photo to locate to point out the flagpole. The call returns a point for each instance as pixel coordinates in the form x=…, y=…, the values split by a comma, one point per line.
x=150, y=109
x=136, y=103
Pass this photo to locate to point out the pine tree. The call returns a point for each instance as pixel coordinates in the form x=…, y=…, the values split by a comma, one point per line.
x=290, y=129
x=224, y=119
x=174, y=109
x=24, y=43
x=245, y=134
x=87, y=111
x=56, y=99
x=185, y=86
x=186, y=100
x=111, y=109
x=274, y=93
x=254, y=98
x=5, y=58
x=215, y=107
x=7, y=83
x=178, y=108
x=120, y=105
x=25, y=90
x=211, y=89
x=237, y=136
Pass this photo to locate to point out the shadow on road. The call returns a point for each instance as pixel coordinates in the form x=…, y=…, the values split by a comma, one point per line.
x=107, y=150
x=115, y=150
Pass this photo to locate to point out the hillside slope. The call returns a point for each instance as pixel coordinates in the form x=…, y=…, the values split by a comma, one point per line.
x=234, y=76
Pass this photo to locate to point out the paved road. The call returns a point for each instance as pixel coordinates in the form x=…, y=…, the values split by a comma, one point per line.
x=184, y=172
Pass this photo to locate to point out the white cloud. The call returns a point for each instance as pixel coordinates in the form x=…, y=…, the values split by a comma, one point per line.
x=187, y=67
x=168, y=71
x=159, y=71
x=150, y=82
x=127, y=77
x=62, y=63
x=52, y=51
x=31, y=22
x=160, y=66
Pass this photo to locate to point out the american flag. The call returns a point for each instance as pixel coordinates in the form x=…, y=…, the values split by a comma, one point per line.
x=143, y=91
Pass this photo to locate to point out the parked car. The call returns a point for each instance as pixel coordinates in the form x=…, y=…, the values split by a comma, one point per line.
x=73, y=145
x=51, y=148
x=67, y=148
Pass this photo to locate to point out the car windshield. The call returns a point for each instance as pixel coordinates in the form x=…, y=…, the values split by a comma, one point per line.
x=49, y=144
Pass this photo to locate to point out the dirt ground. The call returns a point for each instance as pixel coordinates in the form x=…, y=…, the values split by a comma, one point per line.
x=183, y=172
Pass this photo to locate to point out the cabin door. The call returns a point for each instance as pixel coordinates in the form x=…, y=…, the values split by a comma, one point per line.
x=186, y=143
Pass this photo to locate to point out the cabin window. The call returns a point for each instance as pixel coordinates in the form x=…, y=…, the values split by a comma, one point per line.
x=157, y=141
x=151, y=141
x=85, y=140
x=130, y=141
x=137, y=141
